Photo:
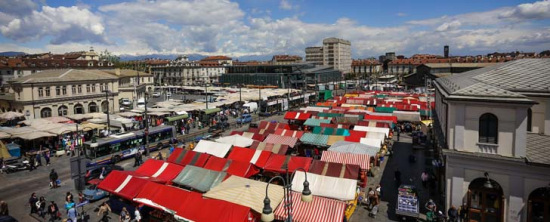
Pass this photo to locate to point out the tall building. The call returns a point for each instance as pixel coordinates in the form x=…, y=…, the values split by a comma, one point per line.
x=314, y=55
x=446, y=51
x=337, y=53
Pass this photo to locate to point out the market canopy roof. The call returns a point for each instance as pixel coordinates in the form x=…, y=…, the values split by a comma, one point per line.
x=316, y=122
x=279, y=163
x=236, y=140
x=233, y=167
x=373, y=123
x=4, y=135
x=80, y=116
x=213, y=110
x=246, y=192
x=339, y=126
x=159, y=171
x=33, y=135
x=128, y=114
x=272, y=125
x=369, y=117
x=297, y=116
x=407, y=116
x=176, y=118
x=353, y=147
x=292, y=133
x=188, y=157
x=166, y=198
x=212, y=148
x=369, y=129
x=334, y=139
x=346, y=120
x=254, y=136
x=347, y=158
x=325, y=186
x=314, y=139
x=11, y=115
x=286, y=140
x=274, y=148
x=199, y=178
x=339, y=170
x=122, y=184
x=330, y=131
x=256, y=157
x=320, y=209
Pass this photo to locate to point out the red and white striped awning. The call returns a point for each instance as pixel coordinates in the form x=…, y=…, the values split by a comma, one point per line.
x=346, y=158
x=292, y=133
x=318, y=210
x=277, y=139
x=297, y=116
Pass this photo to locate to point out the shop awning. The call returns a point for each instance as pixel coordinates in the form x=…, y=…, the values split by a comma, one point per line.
x=210, y=111
x=347, y=158
x=335, y=169
x=199, y=178
x=213, y=148
x=274, y=148
x=236, y=140
x=392, y=119
x=316, y=122
x=159, y=171
x=246, y=192
x=325, y=186
x=176, y=118
x=297, y=116
x=253, y=156
x=33, y=135
x=185, y=157
x=314, y=139
x=346, y=120
x=233, y=167
x=385, y=109
x=369, y=129
x=354, y=147
x=292, y=133
x=254, y=136
x=286, y=140
x=166, y=198
x=122, y=184
x=326, y=210
x=278, y=163
x=272, y=125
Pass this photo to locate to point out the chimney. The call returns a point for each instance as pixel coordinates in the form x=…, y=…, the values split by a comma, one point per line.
x=117, y=71
x=446, y=51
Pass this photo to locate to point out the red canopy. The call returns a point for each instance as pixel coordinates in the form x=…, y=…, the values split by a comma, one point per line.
x=159, y=171
x=339, y=170
x=292, y=133
x=279, y=163
x=286, y=140
x=122, y=184
x=270, y=125
x=319, y=210
x=347, y=158
x=256, y=157
x=233, y=167
x=185, y=157
x=297, y=116
x=271, y=147
x=381, y=118
x=236, y=133
x=373, y=123
x=167, y=198
x=340, y=125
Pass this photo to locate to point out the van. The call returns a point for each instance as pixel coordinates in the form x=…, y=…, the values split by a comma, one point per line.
x=252, y=107
x=141, y=103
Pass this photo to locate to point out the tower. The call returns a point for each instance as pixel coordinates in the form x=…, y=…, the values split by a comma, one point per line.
x=446, y=51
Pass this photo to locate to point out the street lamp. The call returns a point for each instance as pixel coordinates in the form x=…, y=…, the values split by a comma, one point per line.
x=206, y=94
x=487, y=183
x=108, y=119
x=267, y=211
x=146, y=125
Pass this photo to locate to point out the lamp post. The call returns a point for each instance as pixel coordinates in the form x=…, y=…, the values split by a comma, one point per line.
x=146, y=124
x=108, y=119
x=267, y=211
x=206, y=94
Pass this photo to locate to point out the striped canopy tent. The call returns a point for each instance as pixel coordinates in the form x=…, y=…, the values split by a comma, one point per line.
x=256, y=157
x=348, y=158
x=353, y=147
x=389, y=119
x=271, y=147
x=340, y=125
x=314, y=139
x=316, y=122
x=233, y=167
x=408, y=116
x=339, y=170
x=380, y=109
x=330, y=114
x=290, y=115
x=313, y=109
x=185, y=157
x=254, y=136
x=122, y=184
x=263, y=132
x=159, y=171
x=199, y=179
x=346, y=120
x=280, y=163
x=158, y=196
x=325, y=186
x=326, y=210
x=277, y=139
x=270, y=125
x=292, y=133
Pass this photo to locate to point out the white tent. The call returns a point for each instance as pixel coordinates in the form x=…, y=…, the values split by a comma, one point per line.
x=213, y=148
x=372, y=142
x=410, y=116
x=325, y=186
x=236, y=140
x=351, y=147
x=369, y=129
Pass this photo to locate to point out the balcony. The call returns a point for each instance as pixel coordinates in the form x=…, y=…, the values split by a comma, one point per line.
x=487, y=148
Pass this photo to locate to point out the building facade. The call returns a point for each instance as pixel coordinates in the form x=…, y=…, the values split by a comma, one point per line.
x=494, y=128
x=337, y=53
x=314, y=55
x=182, y=72
x=285, y=59
x=133, y=84
x=62, y=92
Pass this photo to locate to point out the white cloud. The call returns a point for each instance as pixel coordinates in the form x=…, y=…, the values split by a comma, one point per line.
x=401, y=14
x=449, y=26
x=285, y=4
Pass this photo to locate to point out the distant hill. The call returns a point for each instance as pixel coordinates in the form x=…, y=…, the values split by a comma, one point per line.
x=192, y=57
x=11, y=53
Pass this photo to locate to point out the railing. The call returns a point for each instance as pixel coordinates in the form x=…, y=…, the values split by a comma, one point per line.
x=487, y=148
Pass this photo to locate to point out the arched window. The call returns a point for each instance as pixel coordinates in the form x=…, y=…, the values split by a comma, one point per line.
x=539, y=205
x=45, y=112
x=62, y=111
x=78, y=109
x=529, y=120
x=488, y=128
x=485, y=200
x=92, y=107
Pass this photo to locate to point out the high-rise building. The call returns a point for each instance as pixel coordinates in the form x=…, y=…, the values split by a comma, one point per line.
x=446, y=51
x=337, y=53
x=314, y=55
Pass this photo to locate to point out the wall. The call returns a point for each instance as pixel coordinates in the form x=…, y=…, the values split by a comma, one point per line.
x=541, y=115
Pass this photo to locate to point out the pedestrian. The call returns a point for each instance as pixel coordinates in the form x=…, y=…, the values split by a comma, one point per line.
x=137, y=215
x=140, y=158
x=159, y=156
x=2, y=165
x=124, y=215
x=378, y=190
x=4, y=208
x=47, y=157
x=80, y=197
x=38, y=158
x=71, y=214
x=53, y=179
x=53, y=210
x=31, y=163
x=41, y=207
x=136, y=159
x=463, y=212
x=424, y=178
x=102, y=174
x=397, y=177
x=32, y=203
x=104, y=210
x=452, y=213
x=375, y=203
x=398, y=133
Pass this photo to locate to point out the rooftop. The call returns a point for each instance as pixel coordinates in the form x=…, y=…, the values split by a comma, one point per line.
x=538, y=150
x=127, y=73
x=65, y=75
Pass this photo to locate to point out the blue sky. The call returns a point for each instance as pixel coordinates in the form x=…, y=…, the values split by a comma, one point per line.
x=266, y=27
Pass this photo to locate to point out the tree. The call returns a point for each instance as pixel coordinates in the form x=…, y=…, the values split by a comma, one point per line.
x=545, y=53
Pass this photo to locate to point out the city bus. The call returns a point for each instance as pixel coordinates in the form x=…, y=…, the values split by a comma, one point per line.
x=123, y=146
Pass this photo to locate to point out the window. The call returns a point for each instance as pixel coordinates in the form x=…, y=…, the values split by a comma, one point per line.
x=79, y=89
x=488, y=128
x=45, y=112
x=64, y=90
x=529, y=120
x=87, y=88
x=40, y=92
x=93, y=87
x=62, y=111
x=92, y=107
x=78, y=109
x=73, y=89
x=101, y=87
x=57, y=90
x=47, y=91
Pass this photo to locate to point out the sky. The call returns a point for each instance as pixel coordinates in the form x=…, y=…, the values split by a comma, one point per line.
x=266, y=27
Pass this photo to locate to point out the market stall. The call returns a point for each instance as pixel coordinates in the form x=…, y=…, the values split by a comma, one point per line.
x=235, y=140
x=325, y=186
x=159, y=171
x=299, y=116
x=213, y=148
x=330, y=131
x=271, y=147
x=353, y=147
x=272, y=125
x=331, y=169
x=256, y=157
x=316, y=122
x=233, y=167
x=369, y=129
x=279, y=163
x=407, y=116
x=320, y=209
x=277, y=139
x=292, y=133
x=314, y=139
x=198, y=178
x=185, y=157
x=347, y=158
x=334, y=139
x=373, y=123
x=122, y=184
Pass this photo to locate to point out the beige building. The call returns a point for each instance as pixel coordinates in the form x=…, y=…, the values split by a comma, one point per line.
x=182, y=72
x=132, y=84
x=337, y=53
x=314, y=55
x=62, y=92
x=494, y=126
x=285, y=59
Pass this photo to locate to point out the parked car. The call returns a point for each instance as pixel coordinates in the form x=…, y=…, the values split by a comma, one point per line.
x=156, y=94
x=94, y=171
x=125, y=102
x=92, y=193
x=218, y=126
x=141, y=103
x=245, y=118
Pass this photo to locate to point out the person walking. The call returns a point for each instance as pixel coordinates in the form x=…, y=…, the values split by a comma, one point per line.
x=47, y=157
x=452, y=213
x=136, y=159
x=124, y=215
x=463, y=212
x=53, y=179
x=53, y=211
x=104, y=210
x=137, y=215
x=31, y=163
x=397, y=176
x=424, y=178
x=4, y=213
x=41, y=207
x=32, y=203
x=71, y=214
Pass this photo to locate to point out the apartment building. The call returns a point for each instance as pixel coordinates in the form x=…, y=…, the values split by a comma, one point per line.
x=314, y=55
x=183, y=72
x=337, y=53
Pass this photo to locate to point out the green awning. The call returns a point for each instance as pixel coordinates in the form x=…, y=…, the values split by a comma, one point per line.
x=425, y=112
x=210, y=111
x=330, y=131
x=325, y=94
x=175, y=118
x=199, y=178
x=329, y=114
x=316, y=122
x=314, y=139
x=385, y=109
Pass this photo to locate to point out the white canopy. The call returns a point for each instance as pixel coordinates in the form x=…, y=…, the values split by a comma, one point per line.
x=357, y=148
x=236, y=140
x=369, y=129
x=410, y=116
x=11, y=115
x=325, y=186
x=213, y=148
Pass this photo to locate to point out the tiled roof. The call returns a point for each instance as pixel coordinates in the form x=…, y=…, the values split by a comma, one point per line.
x=65, y=75
x=216, y=58
x=128, y=73
x=286, y=58
x=363, y=62
x=538, y=148
x=485, y=90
